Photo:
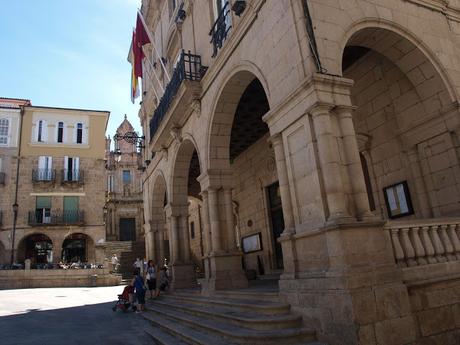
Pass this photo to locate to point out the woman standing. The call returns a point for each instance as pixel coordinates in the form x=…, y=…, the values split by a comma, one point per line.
x=151, y=278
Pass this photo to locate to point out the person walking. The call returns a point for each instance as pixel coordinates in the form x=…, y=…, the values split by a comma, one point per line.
x=139, y=290
x=150, y=276
x=115, y=263
x=163, y=281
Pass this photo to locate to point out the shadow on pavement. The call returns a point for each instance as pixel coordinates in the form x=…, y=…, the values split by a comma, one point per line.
x=88, y=324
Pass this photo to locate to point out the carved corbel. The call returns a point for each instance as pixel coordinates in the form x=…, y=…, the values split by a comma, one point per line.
x=176, y=134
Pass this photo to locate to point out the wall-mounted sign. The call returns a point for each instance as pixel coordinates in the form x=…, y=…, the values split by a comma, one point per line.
x=252, y=243
x=397, y=200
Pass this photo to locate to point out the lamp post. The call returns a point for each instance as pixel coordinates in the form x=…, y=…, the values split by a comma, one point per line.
x=130, y=137
x=15, y=218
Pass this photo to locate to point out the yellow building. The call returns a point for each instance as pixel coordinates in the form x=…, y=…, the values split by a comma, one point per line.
x=60, y=186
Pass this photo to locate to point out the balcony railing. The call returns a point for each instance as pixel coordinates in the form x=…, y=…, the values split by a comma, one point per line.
x=43, y=175
x=188, y=68
x=37, y=218
x=72, y=176
x=220, y=29
x=427, y=241
x=2, y=178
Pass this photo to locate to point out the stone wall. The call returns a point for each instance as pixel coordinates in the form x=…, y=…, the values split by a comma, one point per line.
x=23, y=279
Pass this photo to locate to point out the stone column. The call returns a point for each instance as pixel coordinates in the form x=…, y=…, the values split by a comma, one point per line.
x=175, y=255
x=114, y=232
x=185, y=238
x=231, y=237
x=353, y=162
x=57, y=250
x=330, y=163
x=161, y=246
x=281, y=168
x=213, y=203
x=207, y=237
x=417, y=174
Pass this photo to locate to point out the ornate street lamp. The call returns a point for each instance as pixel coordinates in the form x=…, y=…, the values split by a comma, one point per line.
x=15, y=218
x=129, y=137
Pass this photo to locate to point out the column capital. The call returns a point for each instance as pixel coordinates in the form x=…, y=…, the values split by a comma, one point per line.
x=174, y=210
x=215, y=179
x=275, y=139
x=320, y=108
x=345, y=110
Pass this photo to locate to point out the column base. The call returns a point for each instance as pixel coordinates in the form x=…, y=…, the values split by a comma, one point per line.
x=183, y=276
x=225, y=272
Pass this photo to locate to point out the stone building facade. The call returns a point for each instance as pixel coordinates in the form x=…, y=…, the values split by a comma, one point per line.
x=125, y=212
x=322, y=141
x=58, y=188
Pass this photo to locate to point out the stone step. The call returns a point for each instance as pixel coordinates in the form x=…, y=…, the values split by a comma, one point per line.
x=262, y=307
x=232, y=333
x=272, y=296
x=179, y=331
x=250, y=320
x=161, y=337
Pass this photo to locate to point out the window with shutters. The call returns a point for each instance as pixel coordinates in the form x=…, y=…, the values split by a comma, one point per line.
x=4, y=131
x=43, y=209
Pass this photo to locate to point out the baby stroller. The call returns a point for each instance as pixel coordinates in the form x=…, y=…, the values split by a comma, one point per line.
x=125, y=300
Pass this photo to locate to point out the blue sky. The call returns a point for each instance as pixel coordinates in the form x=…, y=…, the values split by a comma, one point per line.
x=70, y=54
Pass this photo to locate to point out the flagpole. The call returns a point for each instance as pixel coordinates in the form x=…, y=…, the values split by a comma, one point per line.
x=153, y=87
x=154, y=73
x=152, y=42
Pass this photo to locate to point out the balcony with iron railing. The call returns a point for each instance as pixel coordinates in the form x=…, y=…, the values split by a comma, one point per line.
x=43, y=175
x=175, y=105
x=2, y=178
x=39, y=218
x=221, y=28
x=74, y=176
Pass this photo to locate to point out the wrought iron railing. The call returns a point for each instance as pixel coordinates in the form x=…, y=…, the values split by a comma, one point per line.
x=188, y=68
x=220, y=29
x=2, y=177
x=38, y=217
x=43, y=175
x=72, y=176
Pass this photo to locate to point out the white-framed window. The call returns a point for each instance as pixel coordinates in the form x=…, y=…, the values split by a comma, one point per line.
x=41, y=131
x=4, y=131
x=80, y=133
x=60, y=132
x=71, y=168
x=45, y=168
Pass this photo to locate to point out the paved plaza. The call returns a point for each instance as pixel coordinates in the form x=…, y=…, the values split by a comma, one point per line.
x=68, y=316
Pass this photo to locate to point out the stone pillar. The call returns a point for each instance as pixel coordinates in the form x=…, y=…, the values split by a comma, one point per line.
x=330, y=164
x=114, y=233
x=231, y=237
x=57, y=250
x=213, y=204
x=207, y=237
x=286, y=203
x=161, y=246
x=353, y=163
x=185, y=238
x=174, y=235
x=419, y=182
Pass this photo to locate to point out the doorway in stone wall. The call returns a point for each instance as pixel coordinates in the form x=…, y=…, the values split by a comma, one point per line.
x=127, y=229
x=275, y=211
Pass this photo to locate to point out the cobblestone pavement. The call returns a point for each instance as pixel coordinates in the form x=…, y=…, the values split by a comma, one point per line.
x=68, y=316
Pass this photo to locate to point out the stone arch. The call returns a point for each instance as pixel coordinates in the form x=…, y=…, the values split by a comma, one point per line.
x=78, y=247
x=224, y=109
x=40, y=253
x=404, y=99
x=394, y=33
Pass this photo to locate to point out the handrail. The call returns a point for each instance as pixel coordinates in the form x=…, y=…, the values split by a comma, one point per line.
x=425, y=241
x=220, y=29
x=39, y=175
x=188, y=68
x=72, y=176
x=56, y=218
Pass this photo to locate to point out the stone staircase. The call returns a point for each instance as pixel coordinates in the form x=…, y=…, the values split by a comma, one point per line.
x=127, y=252
x=229, y=317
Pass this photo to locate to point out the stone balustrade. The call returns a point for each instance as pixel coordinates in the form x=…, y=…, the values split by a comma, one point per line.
x=425, y=241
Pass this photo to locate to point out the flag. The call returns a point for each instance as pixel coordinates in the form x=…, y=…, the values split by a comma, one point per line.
x=141, y=32
x=134, y=74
